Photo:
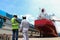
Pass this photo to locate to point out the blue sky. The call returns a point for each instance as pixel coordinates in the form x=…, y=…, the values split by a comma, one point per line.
x=30, y=8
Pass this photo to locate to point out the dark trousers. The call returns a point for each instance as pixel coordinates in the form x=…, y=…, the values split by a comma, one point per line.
x=15, y=34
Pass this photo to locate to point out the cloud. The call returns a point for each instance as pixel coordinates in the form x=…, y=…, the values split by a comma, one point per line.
x=30, y=18
x=50, y=5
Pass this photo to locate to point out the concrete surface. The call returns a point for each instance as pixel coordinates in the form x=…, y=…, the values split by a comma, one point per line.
x=58, y=38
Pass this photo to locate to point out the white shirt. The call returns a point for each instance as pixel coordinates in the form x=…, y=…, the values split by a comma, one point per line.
x=24, y=25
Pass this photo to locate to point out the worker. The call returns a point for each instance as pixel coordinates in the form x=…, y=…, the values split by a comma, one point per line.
x=24, y=27
x=15, y=26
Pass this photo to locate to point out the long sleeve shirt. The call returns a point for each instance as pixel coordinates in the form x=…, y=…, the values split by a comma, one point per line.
x=24, y=25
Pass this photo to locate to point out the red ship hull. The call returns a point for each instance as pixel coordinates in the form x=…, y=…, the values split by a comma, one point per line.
x=46, y=28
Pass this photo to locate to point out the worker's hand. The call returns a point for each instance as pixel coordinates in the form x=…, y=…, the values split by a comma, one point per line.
x=20, y=30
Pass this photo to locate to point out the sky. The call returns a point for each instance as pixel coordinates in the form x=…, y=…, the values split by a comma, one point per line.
x=30, y=8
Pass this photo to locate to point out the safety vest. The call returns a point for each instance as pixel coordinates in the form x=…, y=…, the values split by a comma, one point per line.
x=15, y=24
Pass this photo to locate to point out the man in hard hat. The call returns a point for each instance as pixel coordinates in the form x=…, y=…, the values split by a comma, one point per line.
x=24, y=27
x=15, y=26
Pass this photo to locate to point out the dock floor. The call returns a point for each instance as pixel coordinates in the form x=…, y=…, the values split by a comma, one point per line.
x=58, y=38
